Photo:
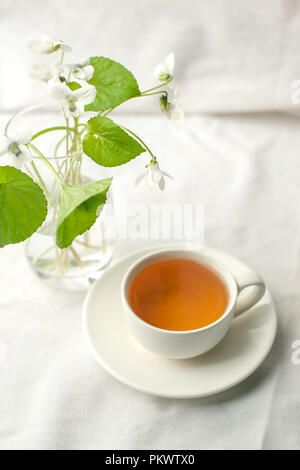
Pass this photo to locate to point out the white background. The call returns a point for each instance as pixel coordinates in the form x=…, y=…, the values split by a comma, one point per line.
x=236, y=59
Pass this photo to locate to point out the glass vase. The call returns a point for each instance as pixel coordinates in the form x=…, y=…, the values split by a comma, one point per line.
x=78, y=265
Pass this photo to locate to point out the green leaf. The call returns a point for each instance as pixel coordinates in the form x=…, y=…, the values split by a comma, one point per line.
x=80, y=207
x=107, y=144
x=114, y=84
x=73, y=86
x=23, y=206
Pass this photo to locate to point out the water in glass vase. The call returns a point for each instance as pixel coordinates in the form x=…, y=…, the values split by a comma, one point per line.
x=73, y=267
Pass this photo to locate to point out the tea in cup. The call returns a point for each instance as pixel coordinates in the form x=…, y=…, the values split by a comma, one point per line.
x=180, y=303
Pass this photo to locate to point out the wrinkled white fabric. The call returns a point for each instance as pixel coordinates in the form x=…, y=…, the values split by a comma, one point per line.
x=54, y=395
x=230, y=56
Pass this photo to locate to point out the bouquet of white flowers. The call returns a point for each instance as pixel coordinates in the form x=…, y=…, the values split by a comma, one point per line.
x=96, y=85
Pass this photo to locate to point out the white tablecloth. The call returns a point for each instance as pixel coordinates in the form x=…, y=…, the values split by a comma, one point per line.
x=53, y=395
x=244, y=169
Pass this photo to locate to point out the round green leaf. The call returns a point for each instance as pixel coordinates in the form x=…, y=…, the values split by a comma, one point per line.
x=113, y=82
x=80, y=207
x=23, y=206
x=107, y=144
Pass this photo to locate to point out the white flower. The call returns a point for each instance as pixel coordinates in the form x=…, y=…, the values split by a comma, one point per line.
x=175, y=113
x=14, y=146
x=42, y=44
x=172, y=110
x=164, y=71
x=72, y=101
x=62, y=72
x=46, y=72
x=153, y=176
x=83, y=70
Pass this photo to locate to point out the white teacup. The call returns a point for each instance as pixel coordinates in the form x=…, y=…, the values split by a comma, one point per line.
x=186, y=344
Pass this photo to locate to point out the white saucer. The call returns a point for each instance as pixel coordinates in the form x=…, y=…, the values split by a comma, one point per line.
x=239, y=354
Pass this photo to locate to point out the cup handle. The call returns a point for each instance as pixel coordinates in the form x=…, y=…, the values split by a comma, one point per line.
x=249, y=279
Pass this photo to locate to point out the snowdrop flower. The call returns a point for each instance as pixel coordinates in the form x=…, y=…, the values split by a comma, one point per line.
x=172, y=110
x=153, y=176
x=82, y=70
x=42, y=44
x=46, y=72
x=164, y=71
x=15, y=146
x=72, y=101
x=175, y=113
